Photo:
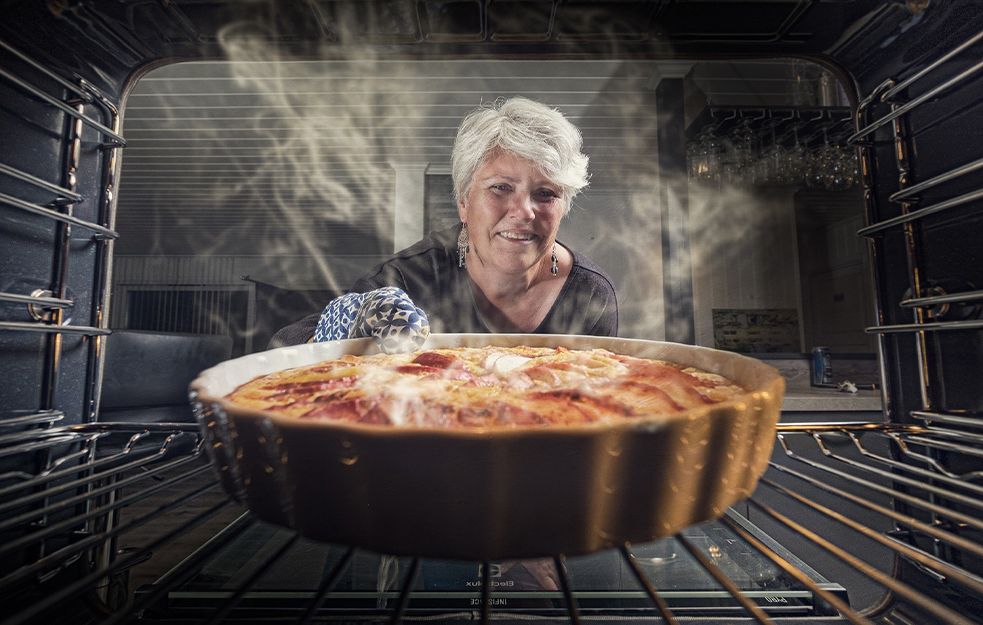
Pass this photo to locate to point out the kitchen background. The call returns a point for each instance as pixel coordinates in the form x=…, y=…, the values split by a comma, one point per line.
x=253, y=192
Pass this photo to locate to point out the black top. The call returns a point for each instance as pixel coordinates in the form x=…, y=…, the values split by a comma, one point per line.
x=429, y=274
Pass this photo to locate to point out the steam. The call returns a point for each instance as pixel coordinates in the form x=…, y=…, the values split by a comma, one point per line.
x=331, y=131
x=746, y=253
x=742, y=251
x=323, y=130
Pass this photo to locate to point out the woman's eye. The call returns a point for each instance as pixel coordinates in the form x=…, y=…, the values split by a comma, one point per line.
x=547, y=193
x=500, y=187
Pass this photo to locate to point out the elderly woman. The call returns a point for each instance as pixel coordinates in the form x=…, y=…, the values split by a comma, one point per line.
x=516, y=166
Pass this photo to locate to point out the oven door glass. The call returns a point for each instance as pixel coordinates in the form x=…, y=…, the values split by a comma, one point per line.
x=602, y=584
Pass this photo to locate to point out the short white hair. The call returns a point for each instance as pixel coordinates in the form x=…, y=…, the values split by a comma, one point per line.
x=525, y=128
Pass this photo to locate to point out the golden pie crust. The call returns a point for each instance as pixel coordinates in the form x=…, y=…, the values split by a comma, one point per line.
x=465, y=387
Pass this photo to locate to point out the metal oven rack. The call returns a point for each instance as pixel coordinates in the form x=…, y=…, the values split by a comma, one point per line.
x=907, y=492
x=823, y=475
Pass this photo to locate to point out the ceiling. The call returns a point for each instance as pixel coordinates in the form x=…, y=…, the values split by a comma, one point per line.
x=117, y=39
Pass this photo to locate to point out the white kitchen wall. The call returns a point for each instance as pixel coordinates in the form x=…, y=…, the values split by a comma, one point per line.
x=744, y=253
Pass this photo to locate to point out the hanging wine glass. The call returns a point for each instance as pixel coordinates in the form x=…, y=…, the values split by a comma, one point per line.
x=703, y=158
x=774, y=161
x=710, y=158
x=854, y=166
x=796, y=162
x=743, y=154
x=731, y=175
x=833, y=172
x=692, y=160
x=817, y=161
x=841, y=169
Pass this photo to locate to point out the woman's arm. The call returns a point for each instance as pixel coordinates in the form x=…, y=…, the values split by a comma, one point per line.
x=296, y=333
x=607, y=322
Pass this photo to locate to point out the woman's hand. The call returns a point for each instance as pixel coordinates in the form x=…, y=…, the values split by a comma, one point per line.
x=388, y=315
x=538, y=572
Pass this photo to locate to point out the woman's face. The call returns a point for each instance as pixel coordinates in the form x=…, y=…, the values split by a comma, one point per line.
x=513, y=212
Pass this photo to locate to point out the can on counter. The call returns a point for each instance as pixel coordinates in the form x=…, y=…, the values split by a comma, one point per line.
x=822, y=366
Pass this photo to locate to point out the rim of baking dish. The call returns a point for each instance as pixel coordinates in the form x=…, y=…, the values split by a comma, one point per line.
x=771, y=387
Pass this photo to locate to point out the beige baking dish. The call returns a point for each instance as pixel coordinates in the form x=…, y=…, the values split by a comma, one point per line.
x=491, y=494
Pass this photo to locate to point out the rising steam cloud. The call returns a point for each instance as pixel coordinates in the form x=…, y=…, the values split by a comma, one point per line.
x=322, y=125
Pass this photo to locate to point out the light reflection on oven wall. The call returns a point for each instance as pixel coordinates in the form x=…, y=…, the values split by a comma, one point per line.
x=284, y=182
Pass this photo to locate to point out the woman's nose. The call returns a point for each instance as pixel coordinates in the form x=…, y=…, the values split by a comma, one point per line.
x=522, y=207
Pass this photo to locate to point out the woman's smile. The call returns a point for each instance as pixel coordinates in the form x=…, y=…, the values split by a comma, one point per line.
x=517, y=236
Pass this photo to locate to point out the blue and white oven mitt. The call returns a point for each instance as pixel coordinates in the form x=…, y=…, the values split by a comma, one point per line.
x=388, y=315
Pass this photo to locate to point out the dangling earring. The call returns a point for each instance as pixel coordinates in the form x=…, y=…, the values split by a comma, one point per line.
x=462, y=246
x=553, y=269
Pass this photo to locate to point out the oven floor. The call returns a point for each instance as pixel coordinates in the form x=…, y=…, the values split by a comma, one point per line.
x=167, y=558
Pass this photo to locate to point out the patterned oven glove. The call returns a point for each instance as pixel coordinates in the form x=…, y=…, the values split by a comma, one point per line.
x=388, y=315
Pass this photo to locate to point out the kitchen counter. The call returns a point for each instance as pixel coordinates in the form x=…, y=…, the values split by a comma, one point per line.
x=810, y=399
x=802, y=397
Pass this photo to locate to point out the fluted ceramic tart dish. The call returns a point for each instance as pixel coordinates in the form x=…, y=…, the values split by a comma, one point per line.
x=491, y=492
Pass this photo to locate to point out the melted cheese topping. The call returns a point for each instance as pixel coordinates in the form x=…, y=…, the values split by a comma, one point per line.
x=485, y=387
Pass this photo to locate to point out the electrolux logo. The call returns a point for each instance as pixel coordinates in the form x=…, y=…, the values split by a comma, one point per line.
x=494, y=584
x=494, y=567
x=496, y=572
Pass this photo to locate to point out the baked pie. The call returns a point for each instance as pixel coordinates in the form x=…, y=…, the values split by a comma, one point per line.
x=486, y=387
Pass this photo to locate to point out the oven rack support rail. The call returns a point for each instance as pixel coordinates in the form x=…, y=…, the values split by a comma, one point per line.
x=893, y=93
x=924, y=300
x=56, y=462
x=855, y=464
x=48, y=304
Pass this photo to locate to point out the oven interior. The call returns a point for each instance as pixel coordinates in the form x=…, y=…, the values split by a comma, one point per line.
x=274, y=150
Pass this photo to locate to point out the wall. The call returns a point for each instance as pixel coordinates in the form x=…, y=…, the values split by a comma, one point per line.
x=618, y=228
x=744, y=253
x=837, y=295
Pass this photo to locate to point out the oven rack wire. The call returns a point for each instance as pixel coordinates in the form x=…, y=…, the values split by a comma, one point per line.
x=855, y=464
